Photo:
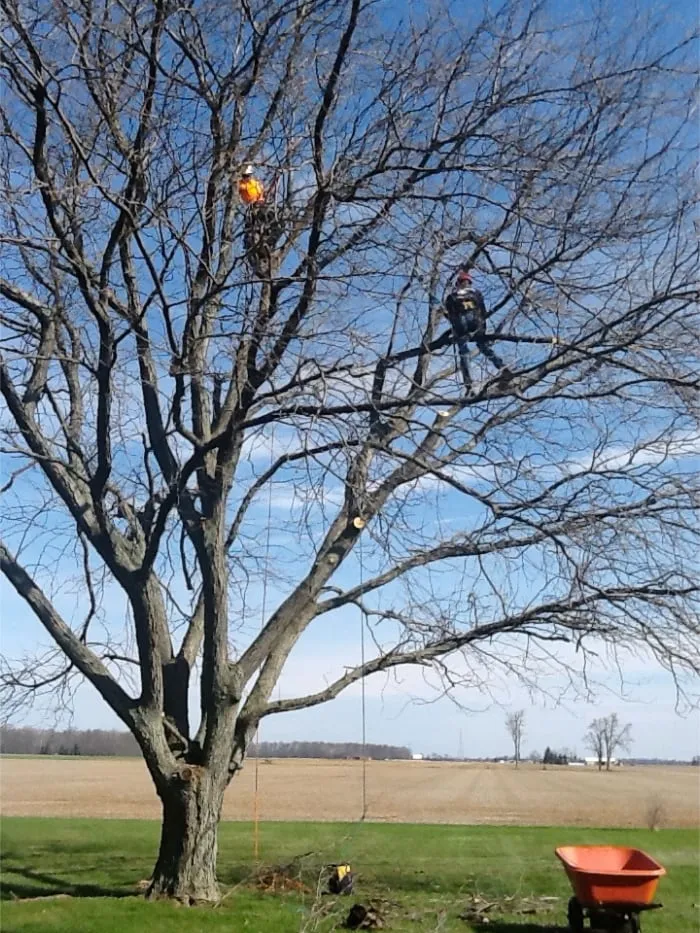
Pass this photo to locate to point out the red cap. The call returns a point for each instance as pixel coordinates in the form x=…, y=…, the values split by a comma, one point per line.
x=463, y=276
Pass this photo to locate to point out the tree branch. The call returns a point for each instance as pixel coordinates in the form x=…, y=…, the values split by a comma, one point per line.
x=78, y=653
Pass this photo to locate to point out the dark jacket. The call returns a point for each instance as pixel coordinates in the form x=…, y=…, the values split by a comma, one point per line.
x=466, y=310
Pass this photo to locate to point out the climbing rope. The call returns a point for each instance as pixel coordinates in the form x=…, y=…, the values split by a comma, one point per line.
x=359, y=523
x=263, y=617
x=362, y=684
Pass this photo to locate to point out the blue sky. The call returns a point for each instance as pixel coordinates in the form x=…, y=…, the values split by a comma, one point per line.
x=404, y=709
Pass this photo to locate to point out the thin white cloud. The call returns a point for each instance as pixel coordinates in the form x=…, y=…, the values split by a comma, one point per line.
x=642, y=453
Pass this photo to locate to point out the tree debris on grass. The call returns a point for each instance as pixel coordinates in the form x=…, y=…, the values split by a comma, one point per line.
x=479, y=910
x=286, y=877
x=280, y=879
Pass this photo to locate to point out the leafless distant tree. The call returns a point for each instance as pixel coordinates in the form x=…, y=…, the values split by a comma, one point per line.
x=209, y=455
x=594, y=741
x=607, y=735
x=515, y=724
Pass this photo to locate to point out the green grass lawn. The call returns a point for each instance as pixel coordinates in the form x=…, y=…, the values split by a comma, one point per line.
x=426, y=875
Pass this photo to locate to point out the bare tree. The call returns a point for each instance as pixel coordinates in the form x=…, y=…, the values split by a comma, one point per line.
x=515, y=724
x=594, y=741
x=209, y=455
x=607, y=735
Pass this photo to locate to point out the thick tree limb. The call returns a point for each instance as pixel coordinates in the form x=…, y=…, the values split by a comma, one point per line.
x=78, y=653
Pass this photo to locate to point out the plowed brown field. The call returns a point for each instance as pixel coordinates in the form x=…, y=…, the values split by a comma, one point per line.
x=397, y=791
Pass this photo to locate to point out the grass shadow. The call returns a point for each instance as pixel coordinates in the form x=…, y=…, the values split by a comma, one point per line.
x=237, y=874
x=43, y=884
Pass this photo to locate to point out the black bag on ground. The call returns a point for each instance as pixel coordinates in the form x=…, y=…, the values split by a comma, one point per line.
x=340, y=879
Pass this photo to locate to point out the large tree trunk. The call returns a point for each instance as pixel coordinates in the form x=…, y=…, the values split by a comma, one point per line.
x=186, y=866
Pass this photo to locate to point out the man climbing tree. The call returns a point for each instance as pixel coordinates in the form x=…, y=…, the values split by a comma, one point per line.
x=466, y=312
x=251, y=189
x=203, y=522
x=261, y=222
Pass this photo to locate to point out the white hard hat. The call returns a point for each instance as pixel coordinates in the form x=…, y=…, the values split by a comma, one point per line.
x=248, y=170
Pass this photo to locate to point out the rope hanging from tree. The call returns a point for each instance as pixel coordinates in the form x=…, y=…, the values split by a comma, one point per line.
x=263, y=616
x=360, y=523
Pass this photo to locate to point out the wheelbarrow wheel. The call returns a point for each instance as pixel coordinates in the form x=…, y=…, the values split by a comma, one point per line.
x=575, y=916
x=634, y=924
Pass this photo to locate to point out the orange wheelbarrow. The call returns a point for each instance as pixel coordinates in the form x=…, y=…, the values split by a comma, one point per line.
x=612, y=886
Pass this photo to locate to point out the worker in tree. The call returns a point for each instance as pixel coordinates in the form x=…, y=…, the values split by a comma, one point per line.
x=261, y=224
x=250, y=189
x=467, y=315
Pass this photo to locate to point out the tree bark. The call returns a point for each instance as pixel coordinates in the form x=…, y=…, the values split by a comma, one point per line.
x=186, y=866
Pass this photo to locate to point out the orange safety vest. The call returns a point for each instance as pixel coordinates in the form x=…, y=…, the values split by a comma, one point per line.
x=251, y=190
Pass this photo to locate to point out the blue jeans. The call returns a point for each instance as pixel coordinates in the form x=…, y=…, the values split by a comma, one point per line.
x=468, y=327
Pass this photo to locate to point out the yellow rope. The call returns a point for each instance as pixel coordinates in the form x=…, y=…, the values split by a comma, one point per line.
x=256, y=807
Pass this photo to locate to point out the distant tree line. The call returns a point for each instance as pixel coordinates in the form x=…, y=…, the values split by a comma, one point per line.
x=25, y=740
x=662, y=761
x=328, y=750
x=434, y=756
x=553, y=757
